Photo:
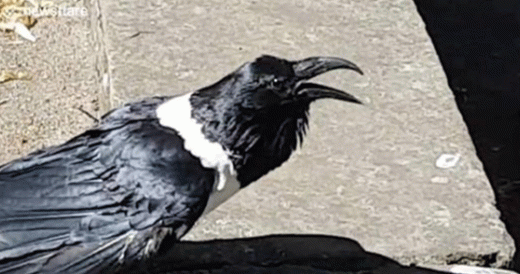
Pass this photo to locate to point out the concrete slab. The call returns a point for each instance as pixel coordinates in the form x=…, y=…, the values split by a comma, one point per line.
x=365, y=172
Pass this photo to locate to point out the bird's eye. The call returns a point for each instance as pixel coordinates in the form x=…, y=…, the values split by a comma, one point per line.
x=275, y=83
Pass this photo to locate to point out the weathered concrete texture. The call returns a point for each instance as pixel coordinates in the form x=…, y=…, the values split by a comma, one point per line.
x=365, y=172
x=44, y=110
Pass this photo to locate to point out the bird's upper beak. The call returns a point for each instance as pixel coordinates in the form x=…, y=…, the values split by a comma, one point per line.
x=310, y=67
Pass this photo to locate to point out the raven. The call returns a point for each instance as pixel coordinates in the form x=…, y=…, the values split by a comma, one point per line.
x=140, y=178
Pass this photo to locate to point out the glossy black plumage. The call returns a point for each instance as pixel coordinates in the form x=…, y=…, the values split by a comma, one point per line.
x=259, y=112
x=115, y=193
x=127, y=174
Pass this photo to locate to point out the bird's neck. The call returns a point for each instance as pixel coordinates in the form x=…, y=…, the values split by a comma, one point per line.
x=256, y=140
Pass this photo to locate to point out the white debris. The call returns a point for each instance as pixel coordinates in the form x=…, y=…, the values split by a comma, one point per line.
x=23, y=31
x=447, y=160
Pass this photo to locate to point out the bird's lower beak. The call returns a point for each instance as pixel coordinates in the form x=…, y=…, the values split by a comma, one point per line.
x=312, y=91
x=313, y=66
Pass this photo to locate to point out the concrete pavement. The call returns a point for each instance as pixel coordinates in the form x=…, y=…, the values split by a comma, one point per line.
x=365, y=172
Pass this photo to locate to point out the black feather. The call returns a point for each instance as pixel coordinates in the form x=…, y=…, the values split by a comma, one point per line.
x=259, y=113
x=95, y=193
x=115, y=193
x=243, y=112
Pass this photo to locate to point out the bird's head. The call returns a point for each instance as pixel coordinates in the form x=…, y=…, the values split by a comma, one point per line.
x=272, y=82
x=259, y=112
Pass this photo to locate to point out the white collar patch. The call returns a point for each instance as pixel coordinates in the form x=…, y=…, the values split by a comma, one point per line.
x=176, y=114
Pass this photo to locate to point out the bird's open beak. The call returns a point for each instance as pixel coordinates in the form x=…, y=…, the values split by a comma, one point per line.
x=313, y=66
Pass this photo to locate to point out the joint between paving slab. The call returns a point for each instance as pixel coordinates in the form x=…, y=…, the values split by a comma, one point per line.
x=103, y=61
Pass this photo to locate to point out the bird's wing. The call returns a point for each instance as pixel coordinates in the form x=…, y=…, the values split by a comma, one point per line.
x=97, y=196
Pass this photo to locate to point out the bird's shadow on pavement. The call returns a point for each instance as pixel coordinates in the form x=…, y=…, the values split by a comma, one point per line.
x=271, y=254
